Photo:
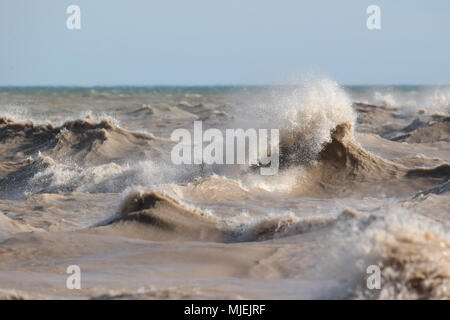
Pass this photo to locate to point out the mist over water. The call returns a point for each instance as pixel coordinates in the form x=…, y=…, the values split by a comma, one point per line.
x=86, y=178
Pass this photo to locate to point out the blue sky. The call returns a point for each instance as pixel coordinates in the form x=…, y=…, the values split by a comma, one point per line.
x=211, y=42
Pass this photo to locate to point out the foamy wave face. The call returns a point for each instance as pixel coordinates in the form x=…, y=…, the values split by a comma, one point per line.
x=415, y=257
x=439, y=101
x=55, y=177
x=431, y=101
x=388, y=100
x=305, y=114
x=15, y=113
x=213, y=208
x=411, y=251
x=95, y=117
x=23, y=114
x=283, y=182
x=314, y=111
x=59, y=177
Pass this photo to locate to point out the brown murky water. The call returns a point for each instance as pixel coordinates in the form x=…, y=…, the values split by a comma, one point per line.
x=86, y=179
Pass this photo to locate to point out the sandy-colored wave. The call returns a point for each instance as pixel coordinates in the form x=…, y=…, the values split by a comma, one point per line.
x=413, y=254
x=86, y=141
x=162, y=215
x=344, y=165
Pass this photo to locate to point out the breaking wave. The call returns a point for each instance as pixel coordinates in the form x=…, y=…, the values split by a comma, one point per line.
x=413, y=254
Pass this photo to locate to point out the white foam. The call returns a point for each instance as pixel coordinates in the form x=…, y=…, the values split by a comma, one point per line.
x=430, y=100
x=314, y=110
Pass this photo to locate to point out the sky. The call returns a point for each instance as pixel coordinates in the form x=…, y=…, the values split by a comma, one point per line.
x=232, y=42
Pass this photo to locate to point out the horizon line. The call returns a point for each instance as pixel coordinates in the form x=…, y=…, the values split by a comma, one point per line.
x=209, y=85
